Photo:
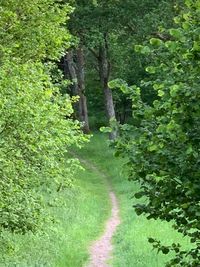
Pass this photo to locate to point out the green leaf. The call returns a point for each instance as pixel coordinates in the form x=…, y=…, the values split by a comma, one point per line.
x=106, y=129
x=155, y=41
x=161, y=93
x=151, y=69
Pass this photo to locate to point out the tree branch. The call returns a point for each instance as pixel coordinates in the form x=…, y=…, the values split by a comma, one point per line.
x=95, y=54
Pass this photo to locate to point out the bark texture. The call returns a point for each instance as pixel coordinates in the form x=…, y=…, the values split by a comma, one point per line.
x=83, y=111
x=104, y=73
x=74, y=70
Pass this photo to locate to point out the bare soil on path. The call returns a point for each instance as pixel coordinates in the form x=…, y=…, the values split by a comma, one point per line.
x=101, y=249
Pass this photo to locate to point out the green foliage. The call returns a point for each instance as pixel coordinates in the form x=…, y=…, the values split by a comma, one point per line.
x=34, y=138
x=35, y=124
x=124, y=22
x=64, y=242
x=33, y=30
x=163, y=143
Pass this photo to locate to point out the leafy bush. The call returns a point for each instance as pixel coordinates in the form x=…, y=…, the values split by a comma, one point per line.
x=163, y=144
x=34, y=138
x=35, y=124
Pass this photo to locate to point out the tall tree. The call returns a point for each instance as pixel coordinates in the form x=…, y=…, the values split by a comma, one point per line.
x=80, y=70
x=74, y=69
x=105, y=27
x=104, y=66
x=95, y=40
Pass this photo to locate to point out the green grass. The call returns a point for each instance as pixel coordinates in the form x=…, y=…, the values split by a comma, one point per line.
x=81, y=217
x=79, y=221
x=131, y=246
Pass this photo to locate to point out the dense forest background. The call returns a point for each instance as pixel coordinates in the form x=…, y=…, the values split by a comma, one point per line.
x=69, y=68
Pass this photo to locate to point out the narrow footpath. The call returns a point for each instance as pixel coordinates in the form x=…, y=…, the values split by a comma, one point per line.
x=101, y=250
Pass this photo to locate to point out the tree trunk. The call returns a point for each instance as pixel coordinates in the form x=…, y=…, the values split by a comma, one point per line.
x=70, y=73
x=70, y=67
x=76, y=75
x=83, y=111
x=104, y=72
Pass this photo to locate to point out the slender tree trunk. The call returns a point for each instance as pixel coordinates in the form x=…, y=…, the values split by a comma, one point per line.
x=76, y=74
x=83, y=111
x=70, y=72
x=104, y=72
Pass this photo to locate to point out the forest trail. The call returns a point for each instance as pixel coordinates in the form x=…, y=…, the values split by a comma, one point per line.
x=101, y=249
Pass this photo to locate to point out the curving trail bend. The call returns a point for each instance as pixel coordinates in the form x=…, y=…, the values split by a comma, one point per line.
x=101, y=249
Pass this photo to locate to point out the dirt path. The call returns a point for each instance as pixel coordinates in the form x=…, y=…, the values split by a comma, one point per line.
x=101, y=249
